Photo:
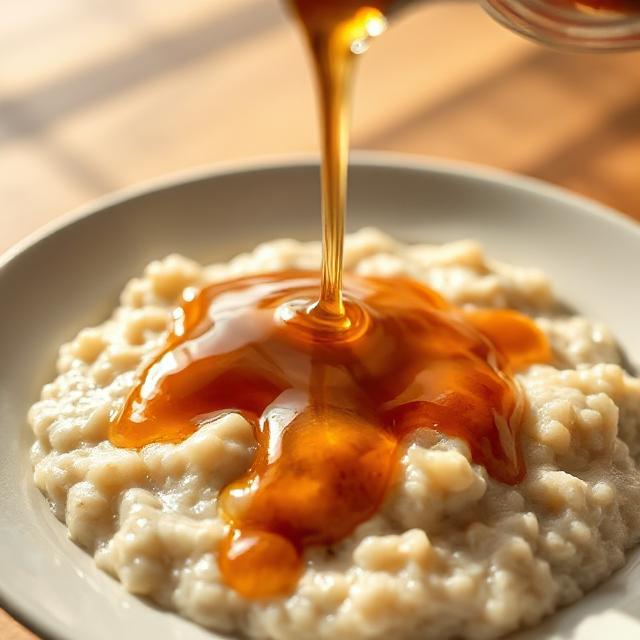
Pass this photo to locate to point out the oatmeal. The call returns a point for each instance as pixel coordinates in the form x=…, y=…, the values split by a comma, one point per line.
x=450, y=553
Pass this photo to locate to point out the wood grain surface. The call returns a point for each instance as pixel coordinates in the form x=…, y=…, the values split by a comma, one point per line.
x=95, y=96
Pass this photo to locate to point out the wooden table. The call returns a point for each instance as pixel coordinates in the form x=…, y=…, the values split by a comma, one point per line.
x=98, y=95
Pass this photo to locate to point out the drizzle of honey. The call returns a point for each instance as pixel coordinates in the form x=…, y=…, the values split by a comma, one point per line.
x=333, y=376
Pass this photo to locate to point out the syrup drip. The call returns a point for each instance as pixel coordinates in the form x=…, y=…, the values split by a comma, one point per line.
x=336, y=31
x=329, y=406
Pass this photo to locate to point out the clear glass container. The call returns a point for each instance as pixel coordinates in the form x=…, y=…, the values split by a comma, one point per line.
x=593, y=25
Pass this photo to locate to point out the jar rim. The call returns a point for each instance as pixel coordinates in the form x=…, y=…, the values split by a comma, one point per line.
x=562, y=26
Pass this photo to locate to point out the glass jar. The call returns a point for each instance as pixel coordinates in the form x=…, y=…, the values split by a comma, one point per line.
x=593, y=25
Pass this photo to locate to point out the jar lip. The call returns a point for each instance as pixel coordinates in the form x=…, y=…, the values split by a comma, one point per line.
x=549, y=23
x=577, y=16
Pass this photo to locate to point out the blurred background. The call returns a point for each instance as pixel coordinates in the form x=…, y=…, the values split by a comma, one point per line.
x=98, y=95
x=95, y=96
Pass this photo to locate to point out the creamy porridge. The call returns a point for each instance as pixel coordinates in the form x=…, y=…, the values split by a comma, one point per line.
x=451, y=552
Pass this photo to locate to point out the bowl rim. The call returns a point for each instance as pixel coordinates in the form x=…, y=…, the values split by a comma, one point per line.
x=375, y=159
x=25, y=613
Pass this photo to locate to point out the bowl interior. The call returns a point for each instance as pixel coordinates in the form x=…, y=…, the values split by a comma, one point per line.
x=71, y=277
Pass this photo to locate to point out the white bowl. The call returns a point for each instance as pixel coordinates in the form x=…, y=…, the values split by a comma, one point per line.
x=69, y=276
